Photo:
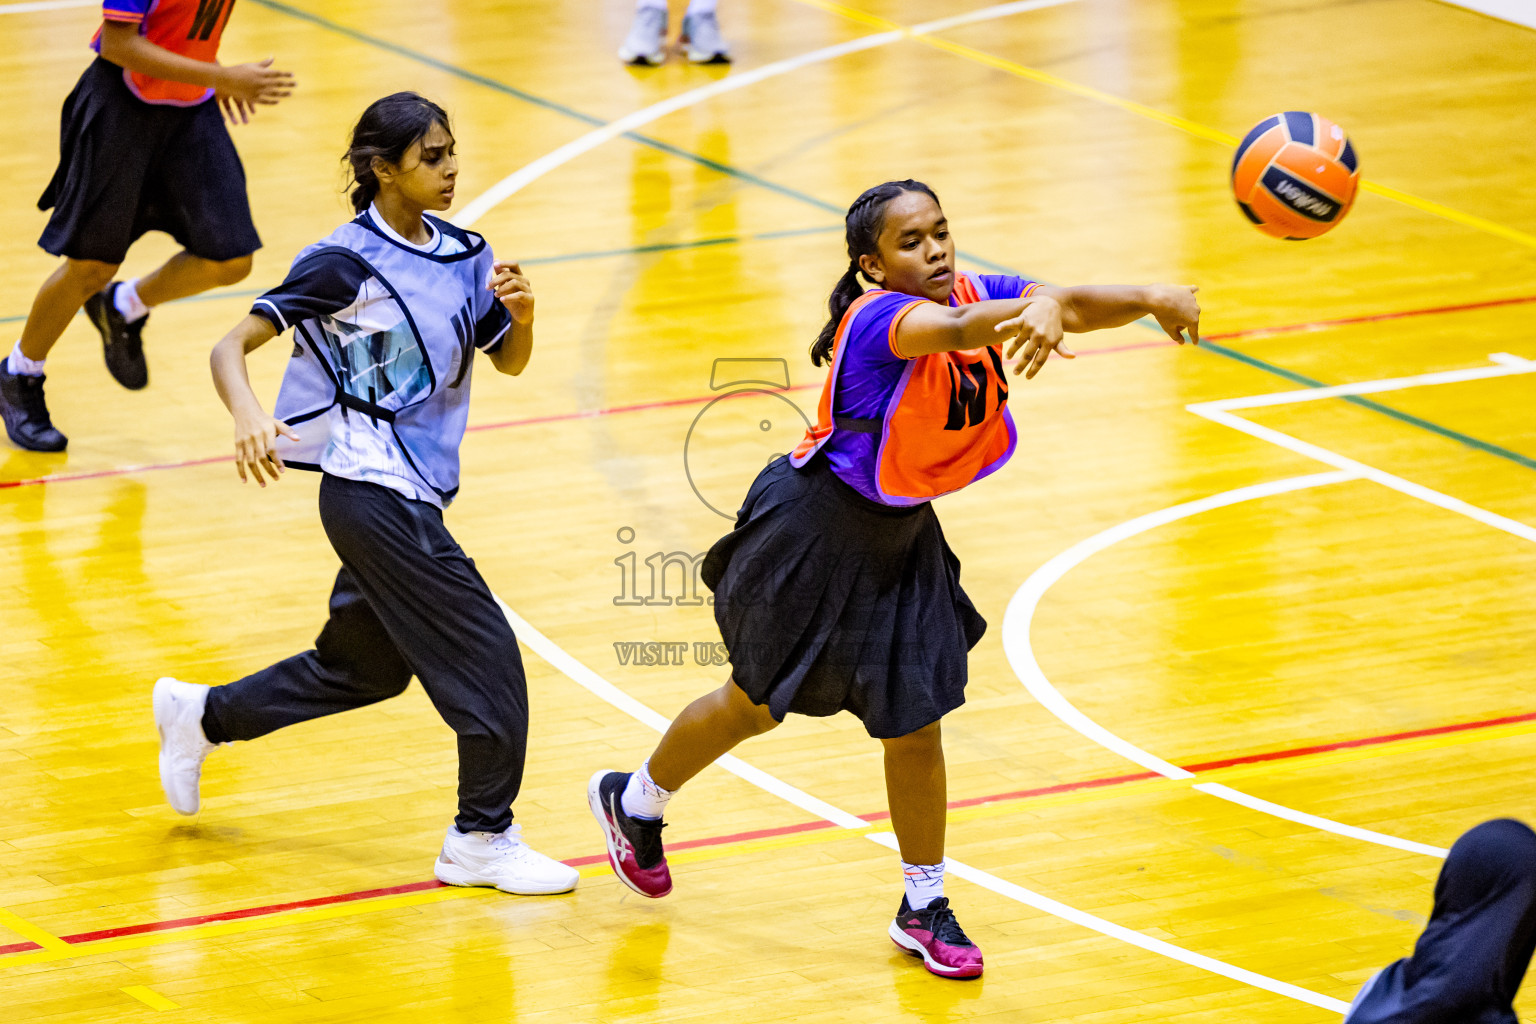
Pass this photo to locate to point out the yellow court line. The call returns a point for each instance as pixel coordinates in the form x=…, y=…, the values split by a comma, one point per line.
x=1183, y=124
x=57, y=949
x=149, y=997
x=31, y=932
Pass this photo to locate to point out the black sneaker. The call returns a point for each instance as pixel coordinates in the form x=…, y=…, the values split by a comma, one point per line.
x=934, y=934
x=634, y=844
x=122, y=343
x=26, y=413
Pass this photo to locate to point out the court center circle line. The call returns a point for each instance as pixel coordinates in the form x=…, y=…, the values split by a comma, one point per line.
x=536, y=169
x=1021, y=656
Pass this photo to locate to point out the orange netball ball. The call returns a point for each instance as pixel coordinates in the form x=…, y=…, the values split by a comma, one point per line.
x=1295, y=175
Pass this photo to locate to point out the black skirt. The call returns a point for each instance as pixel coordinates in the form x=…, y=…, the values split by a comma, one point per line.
x=830, y=602
x=127, y=167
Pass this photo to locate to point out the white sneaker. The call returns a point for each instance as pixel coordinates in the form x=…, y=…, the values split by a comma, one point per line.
x=179, y=719
x=647, y=39
x=701, y=34
x=503, y=861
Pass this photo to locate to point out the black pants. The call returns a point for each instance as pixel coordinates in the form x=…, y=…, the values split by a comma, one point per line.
x=407, y=601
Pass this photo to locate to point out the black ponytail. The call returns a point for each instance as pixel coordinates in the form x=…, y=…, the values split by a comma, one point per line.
x=865, y=220
x=388, y=128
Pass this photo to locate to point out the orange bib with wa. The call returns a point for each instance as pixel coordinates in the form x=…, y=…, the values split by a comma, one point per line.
x=945, y=424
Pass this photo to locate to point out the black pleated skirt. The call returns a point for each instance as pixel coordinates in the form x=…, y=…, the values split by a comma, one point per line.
x=830, y=602
x=127, y=167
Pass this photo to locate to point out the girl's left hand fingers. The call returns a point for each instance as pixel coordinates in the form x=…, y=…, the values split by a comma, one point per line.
x=1026, y=355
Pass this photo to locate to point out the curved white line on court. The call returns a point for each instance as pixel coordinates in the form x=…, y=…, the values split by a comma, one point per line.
x=1021, y=656
x=601, y=688
x=531, y=172
x=595, y=684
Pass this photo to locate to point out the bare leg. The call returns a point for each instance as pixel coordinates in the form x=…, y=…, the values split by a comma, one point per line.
x=185, y=274
x=707, y=728
x=916, y=789
x=58, y=300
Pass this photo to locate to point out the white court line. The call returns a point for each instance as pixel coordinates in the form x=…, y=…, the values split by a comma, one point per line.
x=1519, y=12
x=599, y=687
x=531, y=172
x=46, y=5
x=1216, y=789
x=1021, y=609
x=1360, y=469
x=1045, y=903
x=1021, y=655
x=1506, y=366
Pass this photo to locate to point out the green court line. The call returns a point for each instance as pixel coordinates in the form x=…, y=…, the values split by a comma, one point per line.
x=1386, y=410
x=792, y=193
x=560, y=108
x=569, y=257
x=541, y=101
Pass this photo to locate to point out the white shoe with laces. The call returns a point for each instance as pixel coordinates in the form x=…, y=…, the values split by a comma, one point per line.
x=503, y=861
x=647, y=39
x=703, y=41
x=179, y=719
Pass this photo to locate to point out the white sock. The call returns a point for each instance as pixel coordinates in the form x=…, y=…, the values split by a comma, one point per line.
x=126, y=298
x=18, y=363
x=642, y=797
x=701, y=7
x=641, y=5
x=925, y=883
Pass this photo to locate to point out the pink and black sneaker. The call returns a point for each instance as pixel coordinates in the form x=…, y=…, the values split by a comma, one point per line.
x=933, y=934
x=634, y=844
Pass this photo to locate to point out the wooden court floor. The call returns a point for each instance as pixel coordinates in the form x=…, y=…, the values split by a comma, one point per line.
x=1251, y=661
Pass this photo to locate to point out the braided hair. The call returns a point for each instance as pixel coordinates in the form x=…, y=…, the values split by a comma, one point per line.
x=865, y=220
x=388, y=128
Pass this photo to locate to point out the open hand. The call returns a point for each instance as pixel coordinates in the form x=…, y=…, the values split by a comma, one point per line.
x=242, y=87
x=1034, y=334
x=255, y=440
x=514, y=291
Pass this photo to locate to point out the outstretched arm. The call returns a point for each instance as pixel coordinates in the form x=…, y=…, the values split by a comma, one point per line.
x=1033, y=323
x=1095, y=307
x=255, y=430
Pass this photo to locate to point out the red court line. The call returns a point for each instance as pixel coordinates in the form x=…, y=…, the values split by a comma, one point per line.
x=806, y=826
x=614, y=410
x=1370, y=318
x=1369, y=741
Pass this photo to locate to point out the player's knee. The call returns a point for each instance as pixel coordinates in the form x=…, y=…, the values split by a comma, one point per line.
x=393, y=681
x=227, y=272
x=924, y=741
x=750, y=719
x=91, y=275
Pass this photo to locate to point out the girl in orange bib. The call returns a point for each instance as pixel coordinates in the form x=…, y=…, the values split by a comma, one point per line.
x=836, y=590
